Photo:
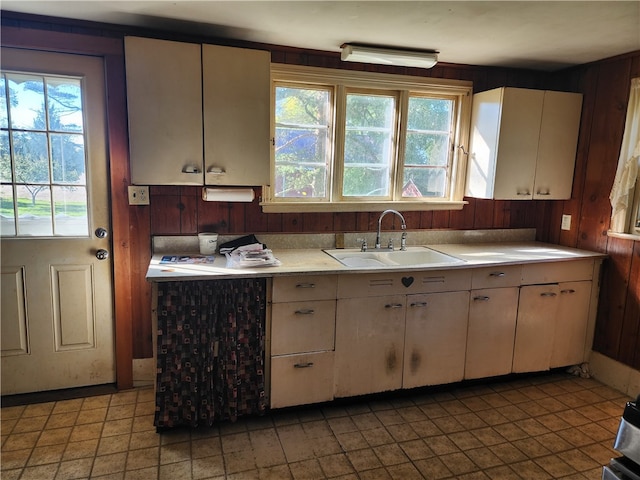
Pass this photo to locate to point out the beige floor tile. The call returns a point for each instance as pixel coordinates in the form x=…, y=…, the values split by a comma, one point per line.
x=205, y=447
x=143, y=458
x=336, y=465
x=66, y=419
x=54, y=437
x=142, y=474
x=89, y=431
x=279, y=472
x=433, y=468
x=117, y=427
x=30, y=424
x=40, y=472
x=91, y=416
x=38, y=409
x=459, y=463
x=175, y=452
x=82, y=449
x=101, y=401
x=75, y=469
x=404, y=471
x=119, y=412
x=65, y=406
x=239, y=461
x=174, y=471
x=364, y=459
x=14, y=459
x=206, y=467
x=19, y=441
x=107, y=464
x=45, y=455
x=307, y=470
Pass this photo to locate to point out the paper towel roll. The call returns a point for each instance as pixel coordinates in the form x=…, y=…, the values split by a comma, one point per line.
x=228, y=194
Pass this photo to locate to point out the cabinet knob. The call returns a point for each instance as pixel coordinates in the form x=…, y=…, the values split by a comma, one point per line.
x=393, y=305
x=548, y=294
x=497, y=274
x=481, y=299
x=570, y=290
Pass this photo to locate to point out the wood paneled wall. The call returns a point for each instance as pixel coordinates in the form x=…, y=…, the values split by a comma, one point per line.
x=605, y=86
x=180, y=210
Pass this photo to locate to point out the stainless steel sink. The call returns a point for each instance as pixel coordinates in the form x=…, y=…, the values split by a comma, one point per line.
x=411, y=257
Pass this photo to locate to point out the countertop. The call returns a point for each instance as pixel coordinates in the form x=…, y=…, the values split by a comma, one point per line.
x=316, y=261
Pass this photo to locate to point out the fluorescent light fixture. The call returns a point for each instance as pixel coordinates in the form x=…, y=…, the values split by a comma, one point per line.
x=389, y=56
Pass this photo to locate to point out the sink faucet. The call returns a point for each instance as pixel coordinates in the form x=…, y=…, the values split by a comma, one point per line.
x=403, y=241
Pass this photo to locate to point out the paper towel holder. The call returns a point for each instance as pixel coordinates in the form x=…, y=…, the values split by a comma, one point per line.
x=228, y=194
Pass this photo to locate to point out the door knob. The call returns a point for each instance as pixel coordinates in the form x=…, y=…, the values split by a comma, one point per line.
x=102, y=254
x=101, y=232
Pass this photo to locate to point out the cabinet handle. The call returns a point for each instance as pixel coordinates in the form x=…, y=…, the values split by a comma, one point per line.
x=216, y=171
x=393, y=305
x=419, y=304
x=306, y=311
x=303, y=365
x=481, y=299
x=564, y=292
x=546, y=192
x=191, y=169
x=497, y=274
x=306, y=285
x=523, y=193
x=548, y=294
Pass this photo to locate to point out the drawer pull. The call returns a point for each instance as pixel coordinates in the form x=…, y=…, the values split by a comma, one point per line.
x=548, y=294
x=481, y=299
x=306, y=285
x=306, y=311
x=570, y=290
x=393, y=305
x=303, y=365
x=433, y=280
x=419, y=304
x=497, y=274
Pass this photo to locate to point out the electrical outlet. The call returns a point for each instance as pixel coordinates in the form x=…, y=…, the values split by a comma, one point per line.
x=566, y=222
x=138, y=195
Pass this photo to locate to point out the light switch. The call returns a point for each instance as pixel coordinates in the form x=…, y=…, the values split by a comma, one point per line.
x=566, y=222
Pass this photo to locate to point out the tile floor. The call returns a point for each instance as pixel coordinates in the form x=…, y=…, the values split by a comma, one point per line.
x=538, y=427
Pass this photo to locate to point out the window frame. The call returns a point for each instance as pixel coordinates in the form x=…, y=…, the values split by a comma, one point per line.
x=342, y=81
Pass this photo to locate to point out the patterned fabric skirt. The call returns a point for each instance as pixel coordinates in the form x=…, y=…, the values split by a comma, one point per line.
x=210, y=356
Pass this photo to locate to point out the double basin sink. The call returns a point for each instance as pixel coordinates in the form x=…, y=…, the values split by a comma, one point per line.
x=383, y=258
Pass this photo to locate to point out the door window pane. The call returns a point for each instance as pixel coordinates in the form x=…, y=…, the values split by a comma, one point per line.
x=302, y=142
x=7, y=212
x=42, y=156
x=368, y=145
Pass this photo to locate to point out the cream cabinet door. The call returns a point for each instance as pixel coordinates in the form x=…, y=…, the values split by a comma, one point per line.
x=535, y=327
x=557, y=146
x=236, y=85
x=571, y=325
x=164, y=100
x=435, y=338
x=491, y=332
x=369, y=345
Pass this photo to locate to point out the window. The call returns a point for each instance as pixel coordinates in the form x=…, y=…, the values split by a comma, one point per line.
x=42, y=156
x=358, y=141
x=625, y=192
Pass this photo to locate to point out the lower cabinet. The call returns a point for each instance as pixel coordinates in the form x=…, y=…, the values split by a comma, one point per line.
x=435, y=338
x=491, y=333
x=301, y=379
x=303, y=315
x=570, y=335
x=344, y=335
x=369, y=344
x=535, y=328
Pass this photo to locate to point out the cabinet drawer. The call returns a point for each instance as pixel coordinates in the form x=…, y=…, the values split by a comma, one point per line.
x=496, y=277
x=302, y=326
x=304, y=287
x=554, y=272
x=393, y=283
x=301, y=379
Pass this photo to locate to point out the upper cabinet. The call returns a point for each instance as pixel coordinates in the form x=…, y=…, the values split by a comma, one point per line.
x=198, y=114
x=523, y=144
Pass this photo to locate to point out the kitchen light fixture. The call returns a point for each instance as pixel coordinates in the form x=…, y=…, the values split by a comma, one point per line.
x=388, y=56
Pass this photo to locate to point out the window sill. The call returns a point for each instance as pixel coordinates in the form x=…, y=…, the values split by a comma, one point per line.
x=626, y=236
x=320, y=207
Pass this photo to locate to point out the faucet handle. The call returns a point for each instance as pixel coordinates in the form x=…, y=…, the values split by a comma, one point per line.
x=390, y=245
x=363, y=247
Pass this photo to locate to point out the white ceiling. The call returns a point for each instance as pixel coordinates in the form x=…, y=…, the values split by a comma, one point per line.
x=544, y=35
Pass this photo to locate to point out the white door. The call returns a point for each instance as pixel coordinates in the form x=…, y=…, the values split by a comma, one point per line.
x=57, y=306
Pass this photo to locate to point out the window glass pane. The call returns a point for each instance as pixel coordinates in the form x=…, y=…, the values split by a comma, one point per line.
x=4, y=121
x=7, y=213
x=31, y=157
x=424, y=182
x=64, y=104
x=301, y=143
x=428, y=144
x=67, y=156
x=70, y=210
x=26, y=102
x=368, y=145
x=5, y=157
x=34, y=210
